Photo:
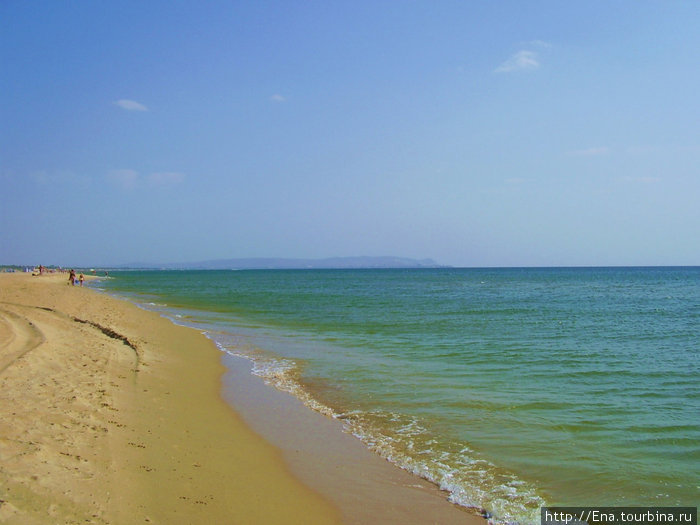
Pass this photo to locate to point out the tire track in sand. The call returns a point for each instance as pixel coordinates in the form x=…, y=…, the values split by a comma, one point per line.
x=21, y=335
x=18, y=336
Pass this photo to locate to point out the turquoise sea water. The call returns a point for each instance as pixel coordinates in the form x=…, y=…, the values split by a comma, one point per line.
x=510, y=388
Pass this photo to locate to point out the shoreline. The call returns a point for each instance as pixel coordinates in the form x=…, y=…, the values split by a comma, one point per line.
x=168, y=435
x=93, y=430
x=366, y=487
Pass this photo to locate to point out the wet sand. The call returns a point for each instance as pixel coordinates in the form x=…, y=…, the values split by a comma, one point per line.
x=365, y=487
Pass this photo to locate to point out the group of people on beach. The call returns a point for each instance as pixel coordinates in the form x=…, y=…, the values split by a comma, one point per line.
x=72, y=280
x=42, y=270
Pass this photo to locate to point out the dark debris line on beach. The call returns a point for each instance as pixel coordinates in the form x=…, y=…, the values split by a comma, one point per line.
x=114, y=335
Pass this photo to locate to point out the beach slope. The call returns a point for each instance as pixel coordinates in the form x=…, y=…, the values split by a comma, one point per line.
x=112, y=414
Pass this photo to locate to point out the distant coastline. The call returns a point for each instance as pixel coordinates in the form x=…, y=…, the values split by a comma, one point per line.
x=262, y=263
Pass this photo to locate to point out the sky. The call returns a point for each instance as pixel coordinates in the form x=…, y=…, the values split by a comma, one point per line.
x=476, y=133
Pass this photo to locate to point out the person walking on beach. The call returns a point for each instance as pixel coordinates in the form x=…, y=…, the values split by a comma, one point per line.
x=71, y=278
x=82, y=278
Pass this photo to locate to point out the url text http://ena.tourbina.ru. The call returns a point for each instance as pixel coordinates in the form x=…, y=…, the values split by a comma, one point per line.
x=618, y=515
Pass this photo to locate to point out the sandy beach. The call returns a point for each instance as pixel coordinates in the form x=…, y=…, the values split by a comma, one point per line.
x=113, y=414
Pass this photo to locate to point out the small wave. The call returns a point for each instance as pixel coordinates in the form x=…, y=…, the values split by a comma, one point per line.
x=471, y=481
x=283, y=374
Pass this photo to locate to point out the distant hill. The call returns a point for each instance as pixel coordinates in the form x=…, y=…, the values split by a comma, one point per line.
x=294, y=264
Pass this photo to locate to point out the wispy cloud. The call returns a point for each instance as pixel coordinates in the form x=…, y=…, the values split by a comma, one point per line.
x=130, y=105
x=43, y=177
x=124, y=179
x=523, y=60
x=277, y=98
x=589, y=152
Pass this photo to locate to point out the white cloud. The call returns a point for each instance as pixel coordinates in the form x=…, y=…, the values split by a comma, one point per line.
x=165, y=178
x=589, y=152
x=277, y=98
x=130, y=105
x=523, y=60
x=124, y=179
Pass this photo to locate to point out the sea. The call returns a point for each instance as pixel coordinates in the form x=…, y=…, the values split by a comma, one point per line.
x=509, y=388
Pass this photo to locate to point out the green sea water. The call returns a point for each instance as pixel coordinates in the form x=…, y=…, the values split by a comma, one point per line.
x=510, y=388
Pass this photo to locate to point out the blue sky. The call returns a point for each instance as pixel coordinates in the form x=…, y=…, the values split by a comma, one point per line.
x=477, y=133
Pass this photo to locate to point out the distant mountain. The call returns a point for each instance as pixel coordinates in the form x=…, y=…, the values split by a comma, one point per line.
x=294, y=264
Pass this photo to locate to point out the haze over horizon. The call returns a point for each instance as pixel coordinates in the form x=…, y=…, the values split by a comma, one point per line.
x=475, y=134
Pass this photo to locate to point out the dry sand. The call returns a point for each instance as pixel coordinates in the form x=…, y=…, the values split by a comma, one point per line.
x=113, y=414
x=95, y=430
